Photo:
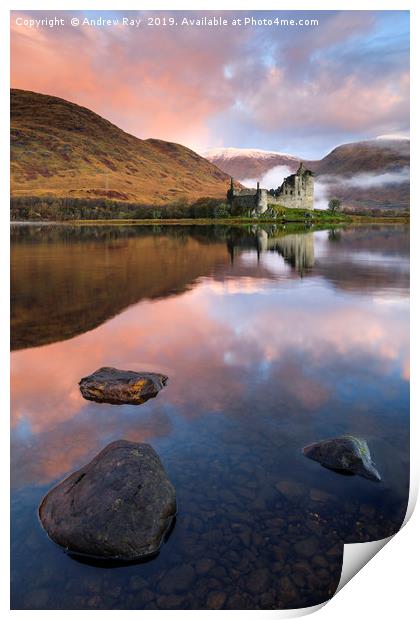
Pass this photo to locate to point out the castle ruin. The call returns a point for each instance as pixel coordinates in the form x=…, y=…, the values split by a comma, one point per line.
x=296, y=192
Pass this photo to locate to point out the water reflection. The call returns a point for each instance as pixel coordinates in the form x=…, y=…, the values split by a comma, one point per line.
x=67, y=280
x=296, y=249
x=300, y=337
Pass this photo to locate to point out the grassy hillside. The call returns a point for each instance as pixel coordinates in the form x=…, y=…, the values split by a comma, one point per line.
x=369, y=156
x=62, y=150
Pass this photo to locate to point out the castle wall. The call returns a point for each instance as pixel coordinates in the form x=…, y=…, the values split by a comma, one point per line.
x=243, y=203
x=252, y=201
x=296, y=192
x=292, y=201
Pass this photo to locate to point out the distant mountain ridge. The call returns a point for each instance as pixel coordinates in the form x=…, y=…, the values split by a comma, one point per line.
x=232, y=153
x=61, y=149
x=249, y=163
x=367, y=156
x=385, y=162
x=350, y=158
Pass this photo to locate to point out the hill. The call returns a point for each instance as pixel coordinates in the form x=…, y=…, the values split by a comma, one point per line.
x=373, y=174
x=62, y=150
x=369, y=156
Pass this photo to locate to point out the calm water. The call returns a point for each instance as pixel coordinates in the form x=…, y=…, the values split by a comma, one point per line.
x=270, y=340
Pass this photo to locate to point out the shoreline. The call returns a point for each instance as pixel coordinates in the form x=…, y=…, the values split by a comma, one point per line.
x=223, y=221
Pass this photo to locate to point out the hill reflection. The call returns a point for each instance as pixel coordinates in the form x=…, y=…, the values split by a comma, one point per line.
x=67, y=280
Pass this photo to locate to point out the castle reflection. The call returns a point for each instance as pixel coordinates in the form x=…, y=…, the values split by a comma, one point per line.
x=296, y=249
x=67, y=280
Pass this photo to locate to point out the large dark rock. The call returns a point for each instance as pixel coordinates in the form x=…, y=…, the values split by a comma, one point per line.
x=118, y=387
x=119, y=506
x=345, y=454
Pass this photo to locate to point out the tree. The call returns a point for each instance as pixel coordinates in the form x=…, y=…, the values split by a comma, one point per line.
x=221, y=211
x=334, y=205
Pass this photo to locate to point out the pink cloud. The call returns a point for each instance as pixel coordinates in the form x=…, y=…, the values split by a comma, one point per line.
x=173, y=84
x=151, y=84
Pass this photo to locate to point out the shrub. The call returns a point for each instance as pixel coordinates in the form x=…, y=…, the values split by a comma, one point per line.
x=220, y=211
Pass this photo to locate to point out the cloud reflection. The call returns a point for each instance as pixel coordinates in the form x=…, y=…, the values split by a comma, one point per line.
x=299, y=344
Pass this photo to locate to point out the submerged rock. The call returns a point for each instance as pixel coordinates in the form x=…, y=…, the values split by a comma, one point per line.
x=345, y=454
x=290, y=489
x=216, y=599
x=119, y=506
x=118, y=387
x=177, y=579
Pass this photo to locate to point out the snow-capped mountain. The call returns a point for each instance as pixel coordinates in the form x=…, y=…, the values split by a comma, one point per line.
x=232, y=153
x=249, y=163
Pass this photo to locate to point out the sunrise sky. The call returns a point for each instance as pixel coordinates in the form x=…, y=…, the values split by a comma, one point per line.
x=302, y=90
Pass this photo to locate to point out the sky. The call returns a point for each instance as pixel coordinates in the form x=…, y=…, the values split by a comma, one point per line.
x=296, y=89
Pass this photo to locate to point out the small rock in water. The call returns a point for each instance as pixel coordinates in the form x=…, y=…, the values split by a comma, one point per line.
x=37, y=599
x=306, y=547
x=216, y=599
x=317, y=495
x=345, y=454
x=119, y=506
x=137, y=583
x=204, y=565
x=290, y=489
x=119, y=387
x=258, y=581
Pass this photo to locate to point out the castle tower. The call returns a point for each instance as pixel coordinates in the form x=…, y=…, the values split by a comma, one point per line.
x=301, y=169
x=260, y=199
x=297, y=190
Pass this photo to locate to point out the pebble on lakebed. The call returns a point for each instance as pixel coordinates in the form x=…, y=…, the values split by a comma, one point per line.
x=345, y=454
x=118, y=507
x=119, y=387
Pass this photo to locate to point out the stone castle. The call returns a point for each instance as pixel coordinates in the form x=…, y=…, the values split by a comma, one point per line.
x=296, y=192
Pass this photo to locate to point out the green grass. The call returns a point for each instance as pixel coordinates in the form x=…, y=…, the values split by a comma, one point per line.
x=275, y=212
x=299, y=225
